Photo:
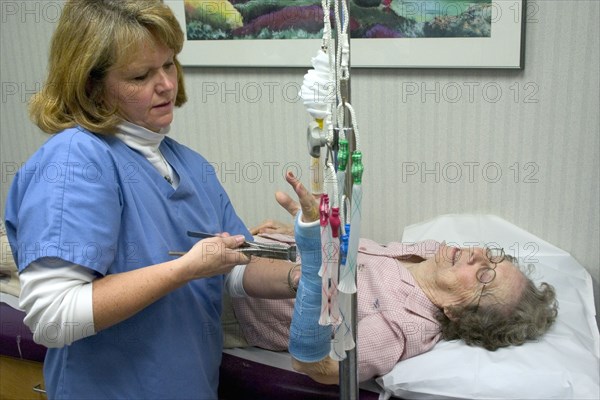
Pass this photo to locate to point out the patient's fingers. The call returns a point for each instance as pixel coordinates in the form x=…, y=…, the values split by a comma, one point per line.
x=308, y=203
x=288, y=203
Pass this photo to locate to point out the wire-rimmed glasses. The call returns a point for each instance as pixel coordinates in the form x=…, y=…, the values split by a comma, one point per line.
x=486, y=275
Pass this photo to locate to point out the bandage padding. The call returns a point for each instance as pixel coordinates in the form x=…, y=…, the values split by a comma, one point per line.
x=309, y=341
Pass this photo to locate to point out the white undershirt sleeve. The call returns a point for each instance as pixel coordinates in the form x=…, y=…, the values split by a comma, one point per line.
x=56, y=296
x=234, y=282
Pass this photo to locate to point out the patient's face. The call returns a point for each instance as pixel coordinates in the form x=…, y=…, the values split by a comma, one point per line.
x=458, y=270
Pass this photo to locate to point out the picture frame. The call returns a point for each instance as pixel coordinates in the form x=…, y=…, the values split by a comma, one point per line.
x=504, y=49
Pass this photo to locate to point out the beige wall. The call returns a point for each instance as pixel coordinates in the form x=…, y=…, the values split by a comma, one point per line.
x=523, y=145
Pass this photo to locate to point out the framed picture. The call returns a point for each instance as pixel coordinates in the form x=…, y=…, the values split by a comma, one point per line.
x=384, y=33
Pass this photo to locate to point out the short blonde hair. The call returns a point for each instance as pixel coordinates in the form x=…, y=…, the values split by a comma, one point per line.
x=93, y=36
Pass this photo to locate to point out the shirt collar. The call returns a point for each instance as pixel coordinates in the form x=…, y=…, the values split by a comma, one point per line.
x=133, y=134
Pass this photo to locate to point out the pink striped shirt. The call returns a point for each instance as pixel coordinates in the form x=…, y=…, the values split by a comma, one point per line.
x=396, y=320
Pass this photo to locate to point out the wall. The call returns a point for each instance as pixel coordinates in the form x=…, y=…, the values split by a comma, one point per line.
x=523, y=145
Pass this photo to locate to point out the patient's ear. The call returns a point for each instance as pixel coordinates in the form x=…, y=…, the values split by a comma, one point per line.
x=450, y=313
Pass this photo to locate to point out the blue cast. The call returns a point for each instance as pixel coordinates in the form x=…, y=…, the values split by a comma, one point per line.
x=309, y=341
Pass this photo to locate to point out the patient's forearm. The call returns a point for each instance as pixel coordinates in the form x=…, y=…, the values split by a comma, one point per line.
x=309, y=341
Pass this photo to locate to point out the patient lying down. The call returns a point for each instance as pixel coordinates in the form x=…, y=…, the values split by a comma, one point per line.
x=409, y=297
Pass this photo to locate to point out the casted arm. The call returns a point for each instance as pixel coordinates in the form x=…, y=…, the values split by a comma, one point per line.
x=309, y=342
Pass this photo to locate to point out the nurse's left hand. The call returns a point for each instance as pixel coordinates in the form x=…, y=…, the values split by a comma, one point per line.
x=214, y=256
x=271, y=226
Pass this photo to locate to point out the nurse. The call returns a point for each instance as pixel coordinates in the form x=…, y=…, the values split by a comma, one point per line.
x=120, y=316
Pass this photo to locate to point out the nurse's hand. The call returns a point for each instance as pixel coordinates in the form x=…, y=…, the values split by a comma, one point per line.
x=214, y=256
x=272, y=226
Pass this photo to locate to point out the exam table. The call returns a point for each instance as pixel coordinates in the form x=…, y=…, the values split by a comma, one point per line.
x=240, y=376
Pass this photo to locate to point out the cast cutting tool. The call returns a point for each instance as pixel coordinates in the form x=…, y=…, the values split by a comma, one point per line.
x=267, y=250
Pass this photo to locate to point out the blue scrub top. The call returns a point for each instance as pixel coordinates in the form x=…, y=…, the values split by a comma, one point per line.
x=91, y=200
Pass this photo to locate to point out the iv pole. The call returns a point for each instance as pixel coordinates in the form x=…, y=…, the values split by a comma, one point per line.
x=348, y=367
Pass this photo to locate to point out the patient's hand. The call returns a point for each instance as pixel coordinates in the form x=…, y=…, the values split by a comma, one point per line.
x=326, y=371
x=308, y=203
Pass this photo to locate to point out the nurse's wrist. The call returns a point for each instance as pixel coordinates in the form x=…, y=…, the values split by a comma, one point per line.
x=181, y=270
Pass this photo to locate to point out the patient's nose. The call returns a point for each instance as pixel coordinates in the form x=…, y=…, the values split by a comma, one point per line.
x=476, y=255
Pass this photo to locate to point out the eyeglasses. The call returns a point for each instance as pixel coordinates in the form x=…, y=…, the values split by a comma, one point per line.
x=488, y=274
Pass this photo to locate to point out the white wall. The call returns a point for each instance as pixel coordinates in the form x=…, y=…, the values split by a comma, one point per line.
x=523, y=145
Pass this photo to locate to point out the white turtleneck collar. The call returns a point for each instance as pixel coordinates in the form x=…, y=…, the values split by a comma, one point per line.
x=147, y=143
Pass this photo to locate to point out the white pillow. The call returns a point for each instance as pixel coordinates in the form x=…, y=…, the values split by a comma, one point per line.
x=563, y=364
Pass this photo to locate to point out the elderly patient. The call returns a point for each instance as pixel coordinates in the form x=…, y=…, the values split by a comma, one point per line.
x=409, y=297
